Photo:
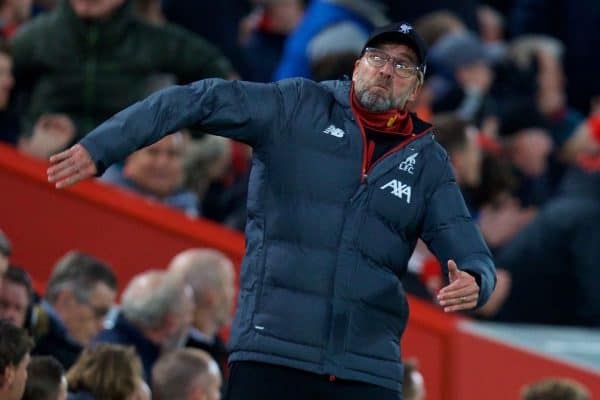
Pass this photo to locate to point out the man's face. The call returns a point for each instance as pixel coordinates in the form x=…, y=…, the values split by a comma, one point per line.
x=95, y=9
x=157, y=169
x=380, y=88
x=529, y=151
x=14, y=300
x=84, y=320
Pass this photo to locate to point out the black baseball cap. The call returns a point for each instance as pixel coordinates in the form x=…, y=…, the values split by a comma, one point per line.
x=400, y=32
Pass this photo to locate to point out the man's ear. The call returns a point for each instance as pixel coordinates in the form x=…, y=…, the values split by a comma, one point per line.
x=414, y=92
x=354, y=71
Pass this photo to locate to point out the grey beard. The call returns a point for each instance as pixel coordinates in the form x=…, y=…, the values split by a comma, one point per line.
x=375, y=103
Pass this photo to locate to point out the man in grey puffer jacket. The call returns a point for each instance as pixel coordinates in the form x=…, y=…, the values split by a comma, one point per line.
x=344, y=182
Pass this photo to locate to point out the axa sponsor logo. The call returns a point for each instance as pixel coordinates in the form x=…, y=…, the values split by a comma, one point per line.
x=408, y=165
x=399, y=189
x=334, y=131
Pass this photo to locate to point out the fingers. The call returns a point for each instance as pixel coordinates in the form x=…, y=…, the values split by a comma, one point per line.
x=60, y=156
x=462, y=293
x=453, y=272
x=460, y=303
x=70, y=167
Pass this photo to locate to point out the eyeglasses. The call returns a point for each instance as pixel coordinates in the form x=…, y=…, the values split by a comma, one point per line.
x=379, y=59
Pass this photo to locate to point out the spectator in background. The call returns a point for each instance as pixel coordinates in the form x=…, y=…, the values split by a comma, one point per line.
x=210, y=274
x=492, y=32
x=157, y=172
x=217, y=21
x=462, y=77
x=15, y=345
x=154, y=318
x=5, y=250
x=459, y=139
x=16, y=296
x=575, y=24
x=263, y=33
x=80, y=292
x=51, y=133
x=9, y=122
x=334, y=18
x=539, y=58
x=499, y=217
x=107, y=371
x=528, y=147
x=551, y=265
x=555, y=389
x=45, y=380
x=413, y=384
x=89, y=59
x=435, y=25
x=186, y=374
x=207, y=161
x=13, y=13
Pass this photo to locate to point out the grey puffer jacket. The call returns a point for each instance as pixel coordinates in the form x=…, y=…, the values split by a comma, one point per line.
x=327, y=239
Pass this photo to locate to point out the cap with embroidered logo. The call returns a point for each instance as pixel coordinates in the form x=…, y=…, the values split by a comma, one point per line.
x=400, y=32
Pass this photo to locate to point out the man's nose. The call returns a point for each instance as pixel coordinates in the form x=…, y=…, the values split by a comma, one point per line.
x=387, y=69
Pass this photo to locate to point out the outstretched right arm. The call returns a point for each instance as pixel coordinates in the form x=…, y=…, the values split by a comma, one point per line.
x=248, y=112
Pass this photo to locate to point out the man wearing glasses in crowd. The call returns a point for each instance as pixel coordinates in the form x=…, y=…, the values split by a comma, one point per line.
x=344, y=182
x=80, y=292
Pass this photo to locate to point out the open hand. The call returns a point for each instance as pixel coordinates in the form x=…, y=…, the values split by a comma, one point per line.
x=462, y=293
x=71, y=166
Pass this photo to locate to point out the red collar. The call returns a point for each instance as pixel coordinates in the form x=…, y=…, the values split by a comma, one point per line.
x=391, y=122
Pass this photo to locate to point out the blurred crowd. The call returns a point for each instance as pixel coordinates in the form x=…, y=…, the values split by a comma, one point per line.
x=160, y=341
x=510, y=88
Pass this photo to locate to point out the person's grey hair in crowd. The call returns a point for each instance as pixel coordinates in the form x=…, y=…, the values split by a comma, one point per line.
x=80, y=273
x=151, y=297
x=45, y=380
x=186, y=374
x=160, y=305
x=210, y=274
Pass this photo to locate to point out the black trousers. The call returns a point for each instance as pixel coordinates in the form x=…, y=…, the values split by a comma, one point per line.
x=261, y=381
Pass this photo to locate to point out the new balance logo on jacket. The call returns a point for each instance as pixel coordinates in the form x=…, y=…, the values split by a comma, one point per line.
x=399, y=189
x=333, y=131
